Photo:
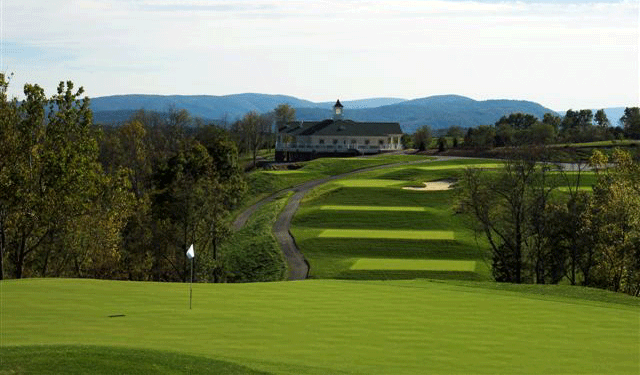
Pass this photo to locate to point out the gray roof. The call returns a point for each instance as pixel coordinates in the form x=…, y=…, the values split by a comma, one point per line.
x=341, y=127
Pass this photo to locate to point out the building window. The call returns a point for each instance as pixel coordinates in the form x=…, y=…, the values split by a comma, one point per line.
x=353, y=141
x=381, y=142
x=335, y=141
x=321, y=141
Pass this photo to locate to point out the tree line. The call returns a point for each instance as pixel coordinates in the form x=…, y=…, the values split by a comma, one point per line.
x=542, y=227
x=519, y=129
x=256, y=131
x=80, y=200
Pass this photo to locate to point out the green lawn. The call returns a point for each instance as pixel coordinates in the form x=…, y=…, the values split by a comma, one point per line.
x=315, y=327
x=264, y=182
x=368, y=216
x=486, y=165
x=388, y=234
x=368, y=182
x=87, y=359
x=373, y=208
x=414, y=264
x=343, y=222
x=612, y=143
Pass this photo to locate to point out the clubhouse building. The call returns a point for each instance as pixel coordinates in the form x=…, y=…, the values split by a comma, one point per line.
x=305, y=140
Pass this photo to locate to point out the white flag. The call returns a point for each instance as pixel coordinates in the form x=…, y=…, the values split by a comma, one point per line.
x=191, y=253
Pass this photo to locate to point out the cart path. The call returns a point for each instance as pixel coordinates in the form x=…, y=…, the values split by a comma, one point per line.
x=298, y=266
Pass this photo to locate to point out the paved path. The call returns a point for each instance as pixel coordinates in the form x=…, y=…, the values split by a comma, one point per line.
x=298, y=266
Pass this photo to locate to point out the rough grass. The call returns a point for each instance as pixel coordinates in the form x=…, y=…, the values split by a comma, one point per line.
x=252, y=253
x=316, y=327
x=612, y=143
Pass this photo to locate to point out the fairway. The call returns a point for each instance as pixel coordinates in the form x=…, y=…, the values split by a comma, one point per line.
x=581, y=188
x=317, y=327
x=414, y=265
x=288, y=171
x=371, y=215
x=388, y=234
x=373, y=208
x=460, y=167
x=377, y=183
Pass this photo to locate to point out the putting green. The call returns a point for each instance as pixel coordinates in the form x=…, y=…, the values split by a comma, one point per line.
x=414, y=265
x=316, y=327
x=373, y=208
x=378, y=183
x=445, y=167
x=388, y=234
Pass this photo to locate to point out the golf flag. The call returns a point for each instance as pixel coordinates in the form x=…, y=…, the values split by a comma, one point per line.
x=191, y=253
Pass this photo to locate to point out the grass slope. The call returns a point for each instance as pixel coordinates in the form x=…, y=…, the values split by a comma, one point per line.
x=263, y=183
x=315, y=327
x=97, y=360
x=253, y=253
x=370, y=216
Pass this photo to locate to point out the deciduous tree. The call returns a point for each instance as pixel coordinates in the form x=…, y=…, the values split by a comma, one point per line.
x=422, y=138
x=631, y=122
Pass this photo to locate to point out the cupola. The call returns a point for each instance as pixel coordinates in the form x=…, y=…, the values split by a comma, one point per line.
x=337, y=110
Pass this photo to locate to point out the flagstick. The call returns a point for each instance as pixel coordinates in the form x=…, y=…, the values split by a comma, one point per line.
x=191, y=282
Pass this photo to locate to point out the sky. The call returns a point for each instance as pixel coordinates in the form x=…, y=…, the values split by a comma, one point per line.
x=561, y=54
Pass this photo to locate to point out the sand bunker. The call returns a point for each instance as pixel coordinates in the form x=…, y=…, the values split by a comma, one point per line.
x=433, y=186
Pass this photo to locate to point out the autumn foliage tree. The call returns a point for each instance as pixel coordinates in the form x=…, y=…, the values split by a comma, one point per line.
x=56, y=201
x=77, y=200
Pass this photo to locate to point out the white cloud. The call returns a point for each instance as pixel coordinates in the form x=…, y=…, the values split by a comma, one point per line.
x=563, y=54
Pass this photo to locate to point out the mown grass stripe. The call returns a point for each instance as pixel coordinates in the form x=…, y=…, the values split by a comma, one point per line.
x=566, y=188
x=414, y=265
x=388, y=234
x=451, y=166
x=373, y=208
x=369, y=182
x=285, y=172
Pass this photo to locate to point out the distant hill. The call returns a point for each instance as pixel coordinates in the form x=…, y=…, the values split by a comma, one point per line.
x=364, y=103
x=436, y=111
x=119, y=117
x=204, y=106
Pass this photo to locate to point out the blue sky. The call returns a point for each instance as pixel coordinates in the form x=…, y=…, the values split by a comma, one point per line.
x=562, y=54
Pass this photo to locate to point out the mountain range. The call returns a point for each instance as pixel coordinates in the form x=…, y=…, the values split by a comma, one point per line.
x=436, y=111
